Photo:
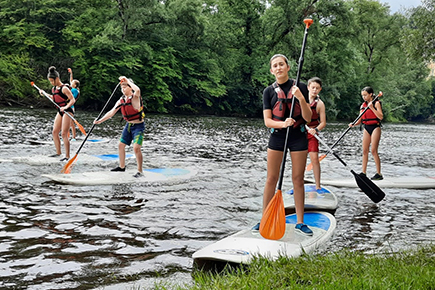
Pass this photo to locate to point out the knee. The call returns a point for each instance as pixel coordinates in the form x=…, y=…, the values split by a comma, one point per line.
x=272, y=180
x=137, y=150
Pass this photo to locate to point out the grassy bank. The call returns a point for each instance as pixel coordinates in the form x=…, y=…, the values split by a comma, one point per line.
x=411, y=269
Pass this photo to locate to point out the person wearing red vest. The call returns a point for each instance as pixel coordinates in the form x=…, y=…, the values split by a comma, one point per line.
x=132, y=110
x=318, y=123
x=61, y=95
x=277, y=102
x=372, y=130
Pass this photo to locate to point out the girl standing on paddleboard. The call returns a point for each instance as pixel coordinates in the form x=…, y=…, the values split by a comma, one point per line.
x=318, y=123
x=372, y=130
x=62, y=96
x=132, y=110
x=277, y=101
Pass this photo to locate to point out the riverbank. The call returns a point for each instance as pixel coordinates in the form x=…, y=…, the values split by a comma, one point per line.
x=408, y=269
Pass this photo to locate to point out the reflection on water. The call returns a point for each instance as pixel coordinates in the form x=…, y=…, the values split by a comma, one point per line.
x=83, y=237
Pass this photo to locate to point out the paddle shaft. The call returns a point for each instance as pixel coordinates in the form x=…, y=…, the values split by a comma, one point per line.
x=99, y=116
x=353, y=123
x=308, y=22
x=48, y=97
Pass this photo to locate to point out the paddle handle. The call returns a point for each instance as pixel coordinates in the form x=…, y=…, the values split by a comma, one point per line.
x=308, y=23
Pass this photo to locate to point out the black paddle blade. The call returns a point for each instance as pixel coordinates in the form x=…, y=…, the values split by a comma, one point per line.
x=369, y=188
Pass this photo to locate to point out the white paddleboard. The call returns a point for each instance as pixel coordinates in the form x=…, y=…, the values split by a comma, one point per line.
x=108, y=177
x=82, y=158
x=422, y=182
x=323, y=199
x=243, y=246
x=91, y=141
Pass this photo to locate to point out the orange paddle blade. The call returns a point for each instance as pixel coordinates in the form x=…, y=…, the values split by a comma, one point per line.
x=67, y=168
x=80, y=127
x=272, y=225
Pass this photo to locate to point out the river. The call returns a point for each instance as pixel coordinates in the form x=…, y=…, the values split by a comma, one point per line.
x=125, y=236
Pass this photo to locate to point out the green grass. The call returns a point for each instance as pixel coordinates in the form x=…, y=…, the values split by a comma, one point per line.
x=410, y=269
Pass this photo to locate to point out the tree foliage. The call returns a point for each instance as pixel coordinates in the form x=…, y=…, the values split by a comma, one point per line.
x=211, y=56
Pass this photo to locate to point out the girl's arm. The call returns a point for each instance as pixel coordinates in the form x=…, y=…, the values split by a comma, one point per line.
x=70, y=76
x=70, y=96
x=378, y=110
x=322, y=115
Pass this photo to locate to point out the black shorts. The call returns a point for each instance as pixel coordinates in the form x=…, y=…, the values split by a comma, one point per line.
x=297, y=140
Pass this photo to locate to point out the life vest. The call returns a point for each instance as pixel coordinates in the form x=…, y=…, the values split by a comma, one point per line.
x=284, y=105
x=78, y=93
x=369, y=117
x=58, y=96
x=129, y=112
x=315, y=118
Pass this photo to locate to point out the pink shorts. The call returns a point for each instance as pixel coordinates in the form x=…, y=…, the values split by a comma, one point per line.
x=313, y=143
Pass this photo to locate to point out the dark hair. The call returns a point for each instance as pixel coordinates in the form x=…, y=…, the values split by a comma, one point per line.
x=278, y=55
x=315, y=80
x=368, y=90
x=52, y=73
x=77, y=82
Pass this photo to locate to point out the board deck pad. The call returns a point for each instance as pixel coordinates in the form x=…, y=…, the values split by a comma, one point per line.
x=245, y=245
x=323, y=199
x=108, y=177
x=418, y=182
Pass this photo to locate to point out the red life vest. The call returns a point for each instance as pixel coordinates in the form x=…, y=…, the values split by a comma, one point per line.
x=315, y=118
x=369, y=117
x=128, y=111
x=283, y=104
x=58, y=96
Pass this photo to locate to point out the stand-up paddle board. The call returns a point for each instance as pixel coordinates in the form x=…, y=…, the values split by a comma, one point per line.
x=421, y=182
x=83, y=158
x=109, y=177
x=91, y=141
x=322, y=199
x=243, y=246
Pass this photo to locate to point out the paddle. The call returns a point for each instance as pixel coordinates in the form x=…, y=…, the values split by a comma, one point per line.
x=67, y=168
x=272, y=224
x=72, y=118
x=365, y=184
x=310, y=166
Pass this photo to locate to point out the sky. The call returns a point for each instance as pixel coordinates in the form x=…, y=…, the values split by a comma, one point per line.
x=396, y=5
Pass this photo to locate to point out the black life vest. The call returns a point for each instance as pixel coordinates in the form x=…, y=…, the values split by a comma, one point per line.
x=58, y=96
x=284, y=103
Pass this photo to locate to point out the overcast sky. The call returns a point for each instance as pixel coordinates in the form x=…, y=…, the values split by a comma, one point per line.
x=396, y=5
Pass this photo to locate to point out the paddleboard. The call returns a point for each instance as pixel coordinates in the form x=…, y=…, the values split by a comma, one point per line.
x=323, y=199
x=422, y=182
x=82, y=158
x=243, y=246
x=108, y=177
x=91, y=141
